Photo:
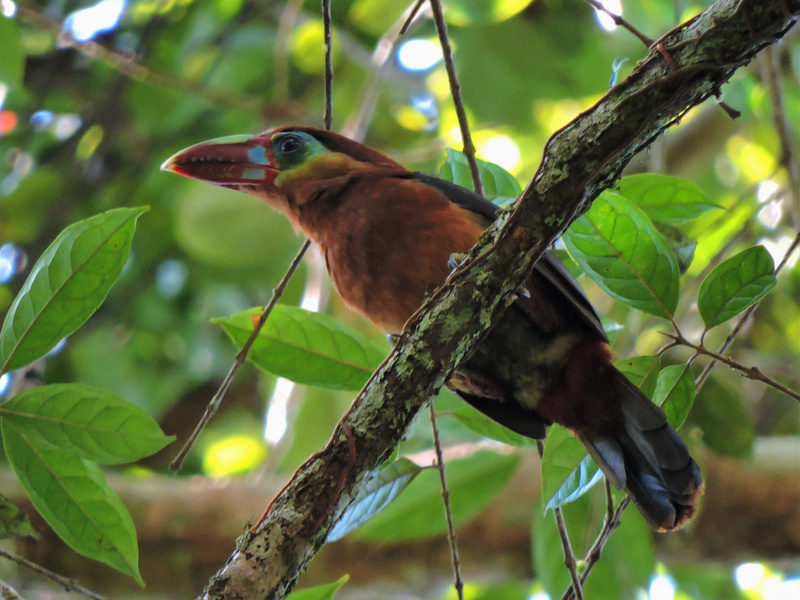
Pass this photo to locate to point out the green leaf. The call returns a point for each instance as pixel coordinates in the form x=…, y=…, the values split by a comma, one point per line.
x=620, y=249
x=497, y=182
x=736, y=284
x=628, y=556
x=642, y=371
x=319, y=592
x=567, y=471
x=85, y=421
x=724, y=418
x=13, y=521
x=682, y=245
x=473, y=483
x=12, y=66
x=66, y=285
x=73, y=497
x=306, y=347
x=483, y=425
x=665, y=199
x=375, y=496
x=675, y=393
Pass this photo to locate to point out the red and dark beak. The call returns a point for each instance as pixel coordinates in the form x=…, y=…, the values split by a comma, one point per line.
x=231, y=162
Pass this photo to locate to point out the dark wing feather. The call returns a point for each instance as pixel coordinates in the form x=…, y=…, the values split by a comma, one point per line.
x=548, y=266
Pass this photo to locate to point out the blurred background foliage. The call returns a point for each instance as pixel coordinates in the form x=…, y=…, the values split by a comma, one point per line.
x=95, y=96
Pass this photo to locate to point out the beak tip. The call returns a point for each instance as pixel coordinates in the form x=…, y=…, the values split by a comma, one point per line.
x=168, y=165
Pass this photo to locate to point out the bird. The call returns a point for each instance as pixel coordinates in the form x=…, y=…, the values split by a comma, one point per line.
x=389, y=235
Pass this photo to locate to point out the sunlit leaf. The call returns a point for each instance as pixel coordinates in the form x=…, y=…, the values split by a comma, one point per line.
x=483, y=425
x=567, y=471
x=375, y=496
x=736, y=284
x=75, y=500
x=675, y=393
x=306, y=347
x=665, y=199
x=620, y=249
x=85, y=421
x=418, y=513
x=497, y=182
x=66, y=285
x=319, y=592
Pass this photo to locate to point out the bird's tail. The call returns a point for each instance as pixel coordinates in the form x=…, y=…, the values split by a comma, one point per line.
x=648, y=459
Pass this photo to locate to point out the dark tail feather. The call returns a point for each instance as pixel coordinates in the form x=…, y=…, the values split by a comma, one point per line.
x=649, y=460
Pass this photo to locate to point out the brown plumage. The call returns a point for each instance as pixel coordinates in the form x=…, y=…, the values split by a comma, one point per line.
x=387, y=235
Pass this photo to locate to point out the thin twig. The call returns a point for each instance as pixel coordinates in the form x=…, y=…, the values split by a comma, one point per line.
x=451, y=531
x=411, y=16
x=455, y=89
x=749, y=372
x=327, y=118
x=788, y=159
x=216, y=400
x=596, y=551
x=701, y=379
x=566, y=546
x=65, y=582
x=127, y=66
x=620, y=22
x=356, y=126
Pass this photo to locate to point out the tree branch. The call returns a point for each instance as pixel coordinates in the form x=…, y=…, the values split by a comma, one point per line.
x=580, y=161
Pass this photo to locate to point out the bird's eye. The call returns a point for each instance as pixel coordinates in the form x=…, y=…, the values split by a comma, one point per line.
x=289, y=144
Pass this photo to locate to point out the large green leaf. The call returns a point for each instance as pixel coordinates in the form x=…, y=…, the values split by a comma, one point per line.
x=473, y=483
x=375, y=496
x=665, y=199
x=497, y=182
x=66, y=285
x=306, y=347
x=567, y=471
x=675, y=393
x=642, y=371
x=85, y=421
x=73, y=497
x=620, y=249
x=319, y=592
x=736, y=284
x=12, y=64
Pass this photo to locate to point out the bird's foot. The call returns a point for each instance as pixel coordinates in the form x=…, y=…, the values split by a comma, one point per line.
x=456, y=258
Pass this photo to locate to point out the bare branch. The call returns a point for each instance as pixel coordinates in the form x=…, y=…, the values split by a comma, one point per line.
x=455, y=89
x=451, y=530
x=65, y=582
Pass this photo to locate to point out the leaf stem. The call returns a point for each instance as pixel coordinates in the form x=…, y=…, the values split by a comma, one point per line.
x=458, y=584
x=67, y=583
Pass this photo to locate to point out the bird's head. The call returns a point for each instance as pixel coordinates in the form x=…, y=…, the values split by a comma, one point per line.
x=286, y=166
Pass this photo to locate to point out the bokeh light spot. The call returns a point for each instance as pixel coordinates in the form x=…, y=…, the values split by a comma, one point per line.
x=418, y=55
x=83, y=25
x=234, y=454
x=501, y=150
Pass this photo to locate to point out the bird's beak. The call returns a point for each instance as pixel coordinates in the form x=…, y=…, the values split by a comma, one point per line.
x=233, y=161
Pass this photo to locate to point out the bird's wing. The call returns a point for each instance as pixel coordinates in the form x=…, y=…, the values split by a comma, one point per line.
x=548, y=266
